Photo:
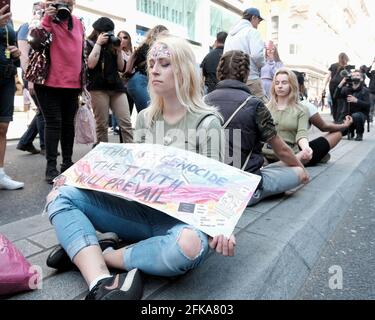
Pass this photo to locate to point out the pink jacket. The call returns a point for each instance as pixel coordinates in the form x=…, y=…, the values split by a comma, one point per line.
x=66, y=53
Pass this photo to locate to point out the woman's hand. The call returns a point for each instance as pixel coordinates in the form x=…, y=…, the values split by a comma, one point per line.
x=223, y=245
x=306, y=154
x=102, y=39
x=50, y=10
x=343, y=81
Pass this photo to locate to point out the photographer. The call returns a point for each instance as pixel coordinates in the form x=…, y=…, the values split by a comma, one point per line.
x=58, y=95
x=105, y=61
x=334, y=77
x=356, y=101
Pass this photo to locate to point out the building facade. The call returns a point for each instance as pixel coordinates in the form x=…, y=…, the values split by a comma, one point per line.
x=309, y=34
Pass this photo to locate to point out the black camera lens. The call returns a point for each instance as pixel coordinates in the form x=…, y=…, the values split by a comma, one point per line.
x=63, y=11
x=112, y=39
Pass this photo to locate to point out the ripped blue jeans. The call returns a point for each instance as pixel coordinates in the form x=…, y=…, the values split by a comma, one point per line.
x=76, y=215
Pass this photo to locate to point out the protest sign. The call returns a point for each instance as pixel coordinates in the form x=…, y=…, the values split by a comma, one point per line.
x=197, y=190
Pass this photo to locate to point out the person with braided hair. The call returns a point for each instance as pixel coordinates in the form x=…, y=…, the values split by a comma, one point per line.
x=247, y=115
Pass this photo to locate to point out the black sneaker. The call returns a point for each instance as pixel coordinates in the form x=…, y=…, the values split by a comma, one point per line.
x=124, y=286
x=51, y=174
x=29, y=148
x=58, y=259
x=359, y=137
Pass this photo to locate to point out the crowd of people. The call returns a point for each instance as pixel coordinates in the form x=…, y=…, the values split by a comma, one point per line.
x=247, y=88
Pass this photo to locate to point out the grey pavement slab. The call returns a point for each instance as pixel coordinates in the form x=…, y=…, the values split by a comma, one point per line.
x=64, y=286
x=240, y=277
x=26, y=227
x=45, y=239
x=39, y=261
x=27, y=248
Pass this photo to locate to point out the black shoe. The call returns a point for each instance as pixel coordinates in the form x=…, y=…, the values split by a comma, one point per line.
x=51, y=174
x=124, y=286
x=359, y=137
x=58, y=259
x=29, y=148
x=350, y=135
x=66, y=166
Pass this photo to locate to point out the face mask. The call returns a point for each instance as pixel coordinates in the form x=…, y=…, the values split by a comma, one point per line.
x=356, y=81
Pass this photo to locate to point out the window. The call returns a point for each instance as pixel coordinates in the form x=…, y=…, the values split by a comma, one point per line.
x=181, y=12
x=275, y=23
x=292, y=49
x=296, y=26
x=221, y=20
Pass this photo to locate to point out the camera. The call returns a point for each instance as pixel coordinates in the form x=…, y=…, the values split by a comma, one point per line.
x=63, y=12
x=349, y=80
x=112, y=39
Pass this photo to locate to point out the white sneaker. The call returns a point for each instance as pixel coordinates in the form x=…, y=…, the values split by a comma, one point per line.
x=7, y=183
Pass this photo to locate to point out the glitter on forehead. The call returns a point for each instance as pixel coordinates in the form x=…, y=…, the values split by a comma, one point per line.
x=160, y=51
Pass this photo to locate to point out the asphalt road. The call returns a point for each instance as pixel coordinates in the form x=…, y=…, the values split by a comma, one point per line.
x=349, y=255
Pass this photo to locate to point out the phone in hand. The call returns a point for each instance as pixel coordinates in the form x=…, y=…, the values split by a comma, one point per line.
x=3, y=3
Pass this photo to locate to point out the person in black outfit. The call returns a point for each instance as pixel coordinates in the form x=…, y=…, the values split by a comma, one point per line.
x=356, y=100
x=334, y=77
x=211, y=61
x=107, y=90
x=370, y=72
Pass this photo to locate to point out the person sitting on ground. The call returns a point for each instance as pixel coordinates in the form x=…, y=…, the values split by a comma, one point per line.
x=357, y=102
x=290, y=116
x=257, y=126
x=322, y=145
x=165, y=246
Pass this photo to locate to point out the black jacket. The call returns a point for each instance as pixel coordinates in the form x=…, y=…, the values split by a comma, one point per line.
x=209, y=66
x=371, y=75
x=227, y=97
x=361, y=93
x=104, y=76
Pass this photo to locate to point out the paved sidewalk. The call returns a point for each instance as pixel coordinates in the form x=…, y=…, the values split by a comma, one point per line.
x=278, y=240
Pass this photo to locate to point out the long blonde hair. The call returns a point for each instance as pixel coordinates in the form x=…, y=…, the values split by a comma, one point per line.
x=186, y=77
x=293, y=97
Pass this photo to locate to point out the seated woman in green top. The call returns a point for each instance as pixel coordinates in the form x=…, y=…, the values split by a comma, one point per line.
x=163, y=246
x=290, y=117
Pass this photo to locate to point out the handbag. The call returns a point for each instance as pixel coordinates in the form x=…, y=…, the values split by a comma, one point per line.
x=16, y=273
x=39, y=59
x=85, y=124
